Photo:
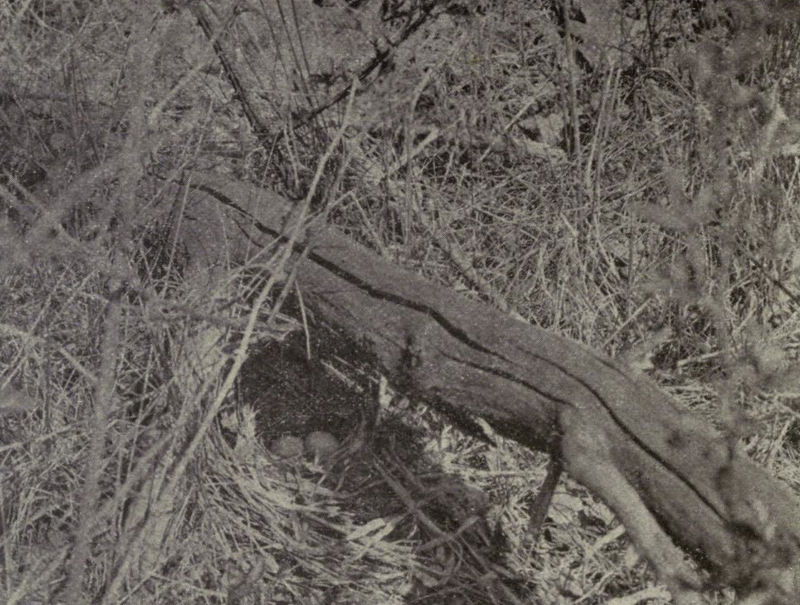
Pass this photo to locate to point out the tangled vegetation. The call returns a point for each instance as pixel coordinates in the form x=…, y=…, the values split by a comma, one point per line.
x=621, y=172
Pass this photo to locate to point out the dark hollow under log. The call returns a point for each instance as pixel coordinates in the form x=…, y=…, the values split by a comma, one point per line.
x=666, y=473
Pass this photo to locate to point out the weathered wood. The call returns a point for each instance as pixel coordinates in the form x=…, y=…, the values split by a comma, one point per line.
x=664, y=471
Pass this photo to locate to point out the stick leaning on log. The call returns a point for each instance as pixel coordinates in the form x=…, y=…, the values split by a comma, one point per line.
x=667, y=475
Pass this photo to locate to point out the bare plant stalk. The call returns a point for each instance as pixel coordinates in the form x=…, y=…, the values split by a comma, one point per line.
x=103, y=397
x=573, y=95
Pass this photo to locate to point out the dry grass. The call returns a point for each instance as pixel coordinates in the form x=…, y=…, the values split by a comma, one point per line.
x=602, y=186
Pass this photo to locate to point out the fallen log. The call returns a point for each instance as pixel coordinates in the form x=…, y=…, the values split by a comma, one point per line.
x=666, y=473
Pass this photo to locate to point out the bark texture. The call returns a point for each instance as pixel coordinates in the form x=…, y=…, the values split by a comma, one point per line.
x=666, y=473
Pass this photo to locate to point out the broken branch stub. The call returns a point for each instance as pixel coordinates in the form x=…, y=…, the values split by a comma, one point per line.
x=665, y=472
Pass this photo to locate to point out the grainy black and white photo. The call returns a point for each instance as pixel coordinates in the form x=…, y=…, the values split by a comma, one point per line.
x=399, y=302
